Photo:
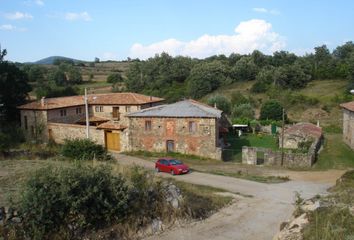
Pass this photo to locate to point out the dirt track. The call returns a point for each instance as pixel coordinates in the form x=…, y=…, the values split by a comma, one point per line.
x=257, y=217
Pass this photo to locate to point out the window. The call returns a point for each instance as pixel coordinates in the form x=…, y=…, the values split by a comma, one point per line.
x=148, y=125
x=192, y=126
x=25, y=122
x=99, y=109
x=78, y=110
x=127, y=108
x=63, y=112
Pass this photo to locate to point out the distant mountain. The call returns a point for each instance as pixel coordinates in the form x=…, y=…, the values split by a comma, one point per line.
x=50, y=60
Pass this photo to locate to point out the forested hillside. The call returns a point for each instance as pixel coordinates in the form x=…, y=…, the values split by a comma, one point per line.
x=176, y=77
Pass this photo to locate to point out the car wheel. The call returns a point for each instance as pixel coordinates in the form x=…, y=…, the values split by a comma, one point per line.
x=157, y=170
x=173, y=172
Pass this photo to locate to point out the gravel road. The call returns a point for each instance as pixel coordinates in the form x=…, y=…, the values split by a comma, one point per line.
x=257, y=217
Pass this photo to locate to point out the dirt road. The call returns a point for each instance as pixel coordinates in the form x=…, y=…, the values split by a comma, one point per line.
x=257, y=217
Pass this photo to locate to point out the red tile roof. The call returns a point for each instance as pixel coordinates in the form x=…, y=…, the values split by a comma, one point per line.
x=349, y=106
x=93, y=99
x=305, y=129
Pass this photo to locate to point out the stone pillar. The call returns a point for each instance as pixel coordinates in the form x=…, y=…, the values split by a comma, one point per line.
x=249, y=155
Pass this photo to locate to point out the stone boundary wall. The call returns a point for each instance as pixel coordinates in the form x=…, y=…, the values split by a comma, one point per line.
x=61, y=131
x=273, y=158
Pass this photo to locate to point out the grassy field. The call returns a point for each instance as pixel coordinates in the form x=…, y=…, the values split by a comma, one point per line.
x=335, y=154
x=234, y=152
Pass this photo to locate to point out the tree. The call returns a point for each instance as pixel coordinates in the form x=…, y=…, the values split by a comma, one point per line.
x=243, y=111
x=14, y=89
x=97, y=60
x=3, y=53
x=36, y=74
x=58, y=76
x=115, y=78
x=206, y=77
x=292, y=76
x=271, y=110
x=221, y=103
x=281, y=58
x=74, y=75
x=244, y=70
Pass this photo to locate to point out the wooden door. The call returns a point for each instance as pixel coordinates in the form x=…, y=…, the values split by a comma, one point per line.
x=113, y=141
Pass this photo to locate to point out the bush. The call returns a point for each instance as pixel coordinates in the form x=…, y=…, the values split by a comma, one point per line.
x=243, y=111
x=272, y=110
x=115, y=78
x=83, y=149
x=221, y=103
x=54, y=199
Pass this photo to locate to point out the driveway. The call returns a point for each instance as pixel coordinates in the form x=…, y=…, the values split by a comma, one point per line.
x=257, y=217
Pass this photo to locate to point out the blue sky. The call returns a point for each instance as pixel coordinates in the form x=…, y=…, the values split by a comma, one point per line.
x=115, y=29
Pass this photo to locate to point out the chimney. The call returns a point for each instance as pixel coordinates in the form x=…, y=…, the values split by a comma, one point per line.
x=42, y=101
x=318, y=123
x=215, y=106
x=150, y=98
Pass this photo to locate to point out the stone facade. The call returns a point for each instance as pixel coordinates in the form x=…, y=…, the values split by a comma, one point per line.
x=348, y=128
x=34, y=124
x=61, y=131
x=155, y=133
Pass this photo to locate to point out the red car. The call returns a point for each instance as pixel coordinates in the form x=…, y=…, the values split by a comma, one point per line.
x=171, y=165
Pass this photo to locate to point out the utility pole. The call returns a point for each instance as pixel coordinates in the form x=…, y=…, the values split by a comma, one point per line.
x=87, y=116
x=282, y=139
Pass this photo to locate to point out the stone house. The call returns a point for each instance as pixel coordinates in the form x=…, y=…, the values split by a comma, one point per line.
x=187, y=127
x=64, y=117
x=300, y=133
x=348, y=123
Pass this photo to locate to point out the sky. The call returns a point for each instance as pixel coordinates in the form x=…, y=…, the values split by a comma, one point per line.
x=116, y=29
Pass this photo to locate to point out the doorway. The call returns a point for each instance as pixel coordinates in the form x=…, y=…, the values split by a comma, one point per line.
x=170, y=146
x=115, y=113
x=112, y=141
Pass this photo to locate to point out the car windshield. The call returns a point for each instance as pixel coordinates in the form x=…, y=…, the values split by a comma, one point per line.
x=175, y=162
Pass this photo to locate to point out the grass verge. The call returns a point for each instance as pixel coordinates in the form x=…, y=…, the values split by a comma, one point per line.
x=334, y=221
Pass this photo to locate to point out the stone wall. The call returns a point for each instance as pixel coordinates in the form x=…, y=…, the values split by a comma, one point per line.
x=348, y=128
x=34, y=125
x=61, y=131
x=274, y=158
x=203, y=142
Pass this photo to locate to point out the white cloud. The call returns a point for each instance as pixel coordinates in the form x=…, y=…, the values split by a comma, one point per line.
x=18, y=16
x=264, y=10
x=9, y=27
x=71, y=16
x=39, y=2
x=249, y=35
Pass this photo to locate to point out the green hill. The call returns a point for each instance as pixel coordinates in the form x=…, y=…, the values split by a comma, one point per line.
x=319, y=100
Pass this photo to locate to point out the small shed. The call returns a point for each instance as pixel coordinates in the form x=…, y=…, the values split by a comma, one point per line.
x=300, y=133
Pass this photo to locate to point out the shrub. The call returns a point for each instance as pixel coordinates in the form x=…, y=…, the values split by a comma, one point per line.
x=54, y=199
x=237, y=98
x=115, y=78
x=83, y=149
x=243, y=111
x=271, y=110
x=10, y=136
x=221, y=103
